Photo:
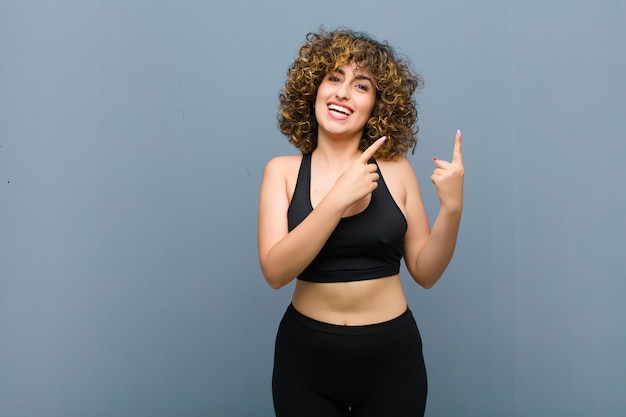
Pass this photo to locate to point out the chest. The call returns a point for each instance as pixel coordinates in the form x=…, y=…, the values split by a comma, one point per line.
x=320, y=186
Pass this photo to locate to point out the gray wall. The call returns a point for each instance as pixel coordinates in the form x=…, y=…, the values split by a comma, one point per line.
x=133, y=135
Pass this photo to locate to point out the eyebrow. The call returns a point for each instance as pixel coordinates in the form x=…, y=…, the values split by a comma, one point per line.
x=358, y=76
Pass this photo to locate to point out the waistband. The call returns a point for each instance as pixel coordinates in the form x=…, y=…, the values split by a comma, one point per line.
x=402, y=320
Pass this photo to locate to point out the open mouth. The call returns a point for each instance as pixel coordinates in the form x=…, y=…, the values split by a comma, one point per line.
x=339, y=109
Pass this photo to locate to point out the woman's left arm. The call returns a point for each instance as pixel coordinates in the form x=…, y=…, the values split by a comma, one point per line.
x=428, y=252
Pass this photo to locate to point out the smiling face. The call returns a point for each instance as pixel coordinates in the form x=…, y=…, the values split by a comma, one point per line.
x=344, y=102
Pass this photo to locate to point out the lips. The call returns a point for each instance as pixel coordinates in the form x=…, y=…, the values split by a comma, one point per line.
x=340, y=109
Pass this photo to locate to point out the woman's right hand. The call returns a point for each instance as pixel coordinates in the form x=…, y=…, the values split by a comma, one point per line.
x=359, y=179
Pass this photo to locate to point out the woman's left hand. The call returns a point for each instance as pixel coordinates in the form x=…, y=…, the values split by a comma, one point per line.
x=448, y=178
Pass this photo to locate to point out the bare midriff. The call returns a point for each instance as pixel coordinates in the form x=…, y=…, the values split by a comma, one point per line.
x=354, y=303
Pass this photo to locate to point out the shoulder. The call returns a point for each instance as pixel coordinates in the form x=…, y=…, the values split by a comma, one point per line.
x=283, y=164
x=284, y=161
x=400, y=179
x=279, y=180
x=396, y=170
x=281, y=172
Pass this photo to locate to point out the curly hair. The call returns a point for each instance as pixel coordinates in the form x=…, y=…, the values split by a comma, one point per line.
x=395, y=112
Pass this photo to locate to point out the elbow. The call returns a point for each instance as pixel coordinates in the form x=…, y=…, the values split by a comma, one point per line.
x=426, y=282
x=430, y=281
x=274, y=283
x=427, y=285
x=273, y=280
x=425, y=278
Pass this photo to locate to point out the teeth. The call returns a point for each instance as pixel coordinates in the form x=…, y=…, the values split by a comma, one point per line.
x=339, y=109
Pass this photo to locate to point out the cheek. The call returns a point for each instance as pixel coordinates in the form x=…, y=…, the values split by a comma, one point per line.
x=318, y=107
x=319, y=100
x=370, y=106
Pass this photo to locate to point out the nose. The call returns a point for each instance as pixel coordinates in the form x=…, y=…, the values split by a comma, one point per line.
x=343, y=91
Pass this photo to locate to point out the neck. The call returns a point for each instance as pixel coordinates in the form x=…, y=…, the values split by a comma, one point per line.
x=337, y=152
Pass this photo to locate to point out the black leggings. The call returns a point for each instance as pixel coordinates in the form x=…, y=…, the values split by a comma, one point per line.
x=327, y=370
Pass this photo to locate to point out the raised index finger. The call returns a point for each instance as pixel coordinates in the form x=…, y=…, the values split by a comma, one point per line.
x=371, y=150
x=457, y=155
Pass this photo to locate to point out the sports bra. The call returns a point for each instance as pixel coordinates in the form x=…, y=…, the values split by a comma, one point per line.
x=366, y=245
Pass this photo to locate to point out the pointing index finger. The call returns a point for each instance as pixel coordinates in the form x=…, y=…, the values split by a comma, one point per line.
x=371, y=150
x=458, y=153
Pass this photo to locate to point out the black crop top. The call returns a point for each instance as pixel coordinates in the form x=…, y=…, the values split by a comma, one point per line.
x=367, y=245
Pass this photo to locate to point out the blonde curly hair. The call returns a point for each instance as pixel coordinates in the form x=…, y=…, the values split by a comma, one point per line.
x=395, y=112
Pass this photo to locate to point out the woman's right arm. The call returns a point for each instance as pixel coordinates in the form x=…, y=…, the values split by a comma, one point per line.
x=284, y=255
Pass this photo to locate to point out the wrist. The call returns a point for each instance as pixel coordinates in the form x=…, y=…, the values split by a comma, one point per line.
x=451, y=210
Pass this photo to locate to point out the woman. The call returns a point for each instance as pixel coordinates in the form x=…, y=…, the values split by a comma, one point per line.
x=339, y=217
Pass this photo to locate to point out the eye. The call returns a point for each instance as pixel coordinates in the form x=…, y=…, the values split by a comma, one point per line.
x=333, y=79
x=362, y=87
